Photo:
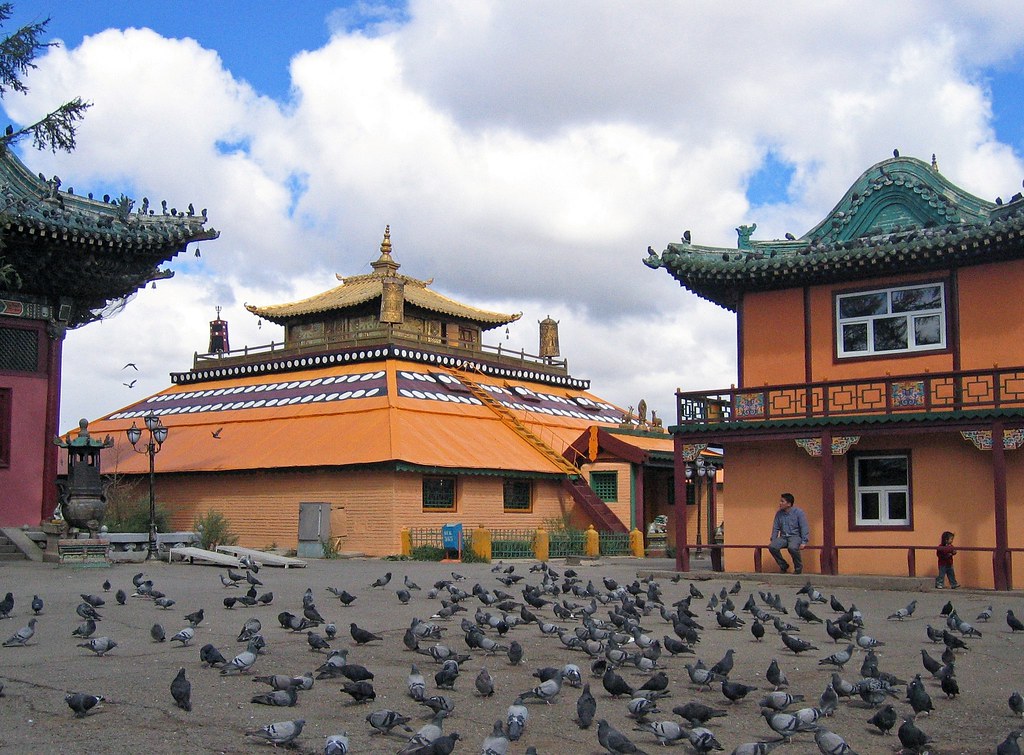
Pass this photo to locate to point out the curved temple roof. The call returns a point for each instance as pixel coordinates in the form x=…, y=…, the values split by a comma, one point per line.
x=901, y=215
x=360, y=289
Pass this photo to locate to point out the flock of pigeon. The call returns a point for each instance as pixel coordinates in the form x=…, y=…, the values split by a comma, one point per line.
x=621, y=674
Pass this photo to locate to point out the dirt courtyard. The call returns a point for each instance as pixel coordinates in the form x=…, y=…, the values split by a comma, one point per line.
x=139, y=714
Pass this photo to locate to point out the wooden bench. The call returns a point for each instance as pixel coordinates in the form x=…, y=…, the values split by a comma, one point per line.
x=83, y=552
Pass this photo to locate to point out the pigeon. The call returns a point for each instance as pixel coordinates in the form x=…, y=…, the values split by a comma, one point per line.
x=614, y=741
x=87, y=612
x=244, y=661
x=403, y=596
x=82, y=703
x=156, y=632
x=736, y=691
x=615, y=685
x=385, y=720
x=181, y=691
x=830, y=743
x=439, y=703
x=37, y=605
x=903, y=613
x=22, y=636
x=496, y=743
x=775, y=676
x=911, y=737
x=796, y=644
x=185, y=636
x=484, y=683
x=316, y=642
x=121, y=597
x=195, y=618
x=784, y=724
x=758, y=748
x=1016, y=703
x=586, y=707
x=515, y=653
x=280, y=733
x=884, y=719
x=164, y=603
x=362, y=636
x=85, y=629
x=667, y=732
x=1015, y=624
x=697, y=713
x=360, y=692
x=381, y=581
x=93, y=600
x=416, y=684
x=250, y=629
x=779, y=700
x=284, y=698
x=985, y=615
x=7, y=605
x=515, y=719
x=838, y=659
x=547, y=690
x=336, y=744
x=211, y=656
x=99, y=645
x=423, y=739
x=106, y=585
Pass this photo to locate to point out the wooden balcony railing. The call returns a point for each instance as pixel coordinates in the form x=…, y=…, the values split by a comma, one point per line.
x=965, y=390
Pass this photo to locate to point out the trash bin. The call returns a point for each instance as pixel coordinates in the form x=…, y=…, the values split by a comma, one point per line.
x=451, y=541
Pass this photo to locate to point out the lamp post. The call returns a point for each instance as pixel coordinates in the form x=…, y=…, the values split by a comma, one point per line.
x=157, y=436
x=705, y=474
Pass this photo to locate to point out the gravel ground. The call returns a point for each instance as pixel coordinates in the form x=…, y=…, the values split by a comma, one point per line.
x=135, y=677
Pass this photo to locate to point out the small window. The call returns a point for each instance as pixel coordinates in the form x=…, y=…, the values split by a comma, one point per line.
x=518, y=495
x=19, y=350
x=606, y=485
x=439, y=494
x=881, y=490
x=890, y=321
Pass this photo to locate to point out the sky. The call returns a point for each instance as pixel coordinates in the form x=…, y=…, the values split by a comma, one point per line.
x=525, y=155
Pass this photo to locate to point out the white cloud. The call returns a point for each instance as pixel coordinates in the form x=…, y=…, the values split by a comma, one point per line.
x=525, y=154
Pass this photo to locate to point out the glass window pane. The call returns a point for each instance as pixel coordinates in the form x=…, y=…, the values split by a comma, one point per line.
x=882, y=471
x=862, y=305
x=855, y=337
x=898, y=506
x=915, y=299
x=890, y=333
x=927, y=330
x=869, y=505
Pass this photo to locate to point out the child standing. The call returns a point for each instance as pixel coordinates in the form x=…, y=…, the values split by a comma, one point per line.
x=945, y=552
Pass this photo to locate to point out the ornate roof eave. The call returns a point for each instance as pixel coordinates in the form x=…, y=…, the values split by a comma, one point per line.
x=899, y=217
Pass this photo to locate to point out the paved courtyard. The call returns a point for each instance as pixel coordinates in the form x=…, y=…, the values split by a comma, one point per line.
x=139, y=714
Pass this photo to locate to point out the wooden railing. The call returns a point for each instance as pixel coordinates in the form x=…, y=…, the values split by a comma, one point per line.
x=965, y=390
x=1002, y=564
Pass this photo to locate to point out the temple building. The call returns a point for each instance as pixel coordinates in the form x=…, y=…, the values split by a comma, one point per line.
x=385, y=408
x=880, y=379
x=66, y=260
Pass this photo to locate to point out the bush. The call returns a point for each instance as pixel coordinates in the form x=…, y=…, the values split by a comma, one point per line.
x=214, y=529
x=133, y=516
x=469, y=556
x=427, y=553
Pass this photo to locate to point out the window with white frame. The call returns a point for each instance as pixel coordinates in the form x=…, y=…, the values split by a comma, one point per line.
x=881, y=490
x=891, y=320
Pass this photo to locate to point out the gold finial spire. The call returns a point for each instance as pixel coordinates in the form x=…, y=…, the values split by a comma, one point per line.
x=385, y=265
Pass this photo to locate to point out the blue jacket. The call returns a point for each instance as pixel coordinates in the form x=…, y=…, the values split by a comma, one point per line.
x=791, y=522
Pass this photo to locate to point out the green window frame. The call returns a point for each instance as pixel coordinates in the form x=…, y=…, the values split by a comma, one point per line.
x=517, y=495
x=439, y=493
x=605, y=485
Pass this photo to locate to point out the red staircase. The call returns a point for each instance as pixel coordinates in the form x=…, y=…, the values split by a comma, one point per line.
x=602, y=516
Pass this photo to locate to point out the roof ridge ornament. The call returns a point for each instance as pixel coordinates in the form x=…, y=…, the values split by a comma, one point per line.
x=385, y=265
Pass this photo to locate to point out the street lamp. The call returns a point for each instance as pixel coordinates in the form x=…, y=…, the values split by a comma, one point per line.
x=157, y=436
x=705, y=473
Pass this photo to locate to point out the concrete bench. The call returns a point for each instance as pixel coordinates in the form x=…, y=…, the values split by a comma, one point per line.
x=83, y=552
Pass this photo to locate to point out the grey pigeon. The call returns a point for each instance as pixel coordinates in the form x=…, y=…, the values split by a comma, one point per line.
x=195, y=618
x=37, y=605
x=667, y=732
x=181, y=691
x=242, y=662
x=336, y=744
x=614, y=741
x=515, y=653
x=547, y=690
x=496, y=743
x=426, y=735
x=484, y=683
x=121, y=597
x=156, y=632
x=586, y=707
x=7, y=605
x=85, y=629
x=515, y=719
x=903, y=613
x=381, y=581
x=22, y=636
x=1009, y=746
x=1016, y=703
x=839, y=658
x=384, y=720
x=82, y=703
x=775, y=676
x=416, y=684
x=784, y=724
x=185, y=636
x=758, y=748
x=99, y=645
x=830, y=743
x=284, y=698
x=280, y=733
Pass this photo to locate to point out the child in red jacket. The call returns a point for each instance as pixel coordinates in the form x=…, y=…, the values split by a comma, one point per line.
x=945, y=553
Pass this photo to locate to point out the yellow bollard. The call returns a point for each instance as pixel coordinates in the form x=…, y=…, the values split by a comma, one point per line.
x=406, y=542
x=482, y=542
x=541, y=545
x=591, y=542
x=636, y=543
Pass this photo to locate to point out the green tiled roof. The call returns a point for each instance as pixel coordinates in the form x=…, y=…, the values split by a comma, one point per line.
x=900, y=216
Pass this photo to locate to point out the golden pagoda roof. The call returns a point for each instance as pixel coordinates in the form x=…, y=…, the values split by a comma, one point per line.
x=360, y=289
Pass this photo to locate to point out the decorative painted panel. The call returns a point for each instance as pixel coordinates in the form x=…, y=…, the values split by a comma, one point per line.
x=982, y=439
x=840, y=444
x=908, y=393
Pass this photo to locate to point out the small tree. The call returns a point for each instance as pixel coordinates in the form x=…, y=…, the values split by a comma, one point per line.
x=214, y=529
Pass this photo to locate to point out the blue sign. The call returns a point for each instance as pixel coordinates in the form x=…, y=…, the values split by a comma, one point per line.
x=451, y=536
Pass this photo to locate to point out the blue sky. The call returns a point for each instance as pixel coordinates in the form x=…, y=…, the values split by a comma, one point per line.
x=525, y=154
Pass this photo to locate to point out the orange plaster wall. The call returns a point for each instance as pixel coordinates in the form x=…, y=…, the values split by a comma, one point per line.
x=991, y=326
x=773, y=337
x=960, y=502
x=621, y=506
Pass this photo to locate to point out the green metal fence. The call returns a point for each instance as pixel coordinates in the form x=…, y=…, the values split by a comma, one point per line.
x=614, y=543
x=512, y=543
x=566, y=543
x=430, y=536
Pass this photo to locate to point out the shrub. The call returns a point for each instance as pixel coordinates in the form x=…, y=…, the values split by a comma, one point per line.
x=133, y=516
x=427, y=553
x=214, y=529
x=330, y=547
x=469, y=556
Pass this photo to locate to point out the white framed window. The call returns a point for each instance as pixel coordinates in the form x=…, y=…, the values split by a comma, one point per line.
x=881, y=490
x=891, y=320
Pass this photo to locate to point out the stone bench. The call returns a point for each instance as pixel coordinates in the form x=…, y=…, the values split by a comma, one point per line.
x=83, y=552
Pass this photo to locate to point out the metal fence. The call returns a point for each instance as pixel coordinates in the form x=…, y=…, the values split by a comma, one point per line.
x=566, y=543
x=614, y=543
x=429, y=536
x=512, y=543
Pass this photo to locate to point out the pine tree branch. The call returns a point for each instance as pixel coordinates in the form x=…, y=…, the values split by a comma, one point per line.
x=18, y=51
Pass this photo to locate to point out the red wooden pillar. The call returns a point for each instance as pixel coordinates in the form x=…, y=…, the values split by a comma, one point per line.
x=679, y=509
x=638, y=506
x=1000, y=575
x=828, y=505
x=54, y=356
